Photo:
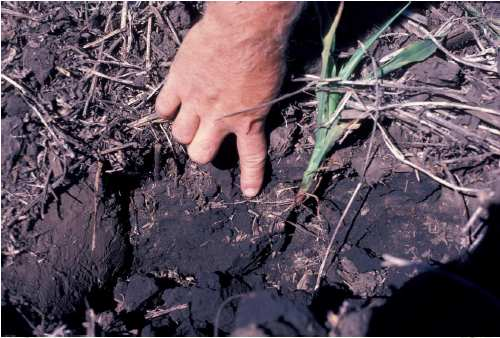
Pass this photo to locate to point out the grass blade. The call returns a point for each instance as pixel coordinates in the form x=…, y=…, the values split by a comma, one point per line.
x=356, y=58
x=326, y=136
x=326, y=102
x=328, y=67
x=415, y=52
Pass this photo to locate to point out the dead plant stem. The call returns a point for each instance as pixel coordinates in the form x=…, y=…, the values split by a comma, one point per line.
x=334, y=235
x=399, y=155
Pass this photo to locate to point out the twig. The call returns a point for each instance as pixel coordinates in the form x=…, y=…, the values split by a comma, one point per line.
x=115, y=63
x=157, y=313
x=161, y=21
x=123, y=21
x=151, y=118
x=477, y=237
x=494, y=146
x=40, y=116
x=490, y=130
x=415, y=120
x=399, y=155
x=33, y=327
x=464, y=199
x=323, y=85
x=148, y=43
x=221, y=307
x=334, y=235
x=377, y=109
x=473, y=219
x=29, y=96
x=23, y=90
x=172, y=29
x=168, y=138
x=97, y=198
x=362, y=179
x=338, y=111
x=157, y=158
x=476, y=37
x=20, y=15
x=111, y=78
x=118, y=148
x=473, y=110
x=130, y=36
x=103, y=38
x=302, y=228
x=151, y=93
x=436, y=104
x=93, y=84
x=454, y=57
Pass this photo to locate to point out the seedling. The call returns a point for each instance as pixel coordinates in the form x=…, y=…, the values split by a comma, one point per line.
x=330, y=126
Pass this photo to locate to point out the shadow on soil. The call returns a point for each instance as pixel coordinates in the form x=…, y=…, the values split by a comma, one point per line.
x=459, y=298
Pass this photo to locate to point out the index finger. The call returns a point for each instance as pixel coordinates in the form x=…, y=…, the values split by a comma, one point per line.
x=252, y=150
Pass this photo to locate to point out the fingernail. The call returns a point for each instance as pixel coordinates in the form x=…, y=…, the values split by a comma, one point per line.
x=250, y=192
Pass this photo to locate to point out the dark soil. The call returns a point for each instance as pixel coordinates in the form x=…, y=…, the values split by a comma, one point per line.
x=110, y=230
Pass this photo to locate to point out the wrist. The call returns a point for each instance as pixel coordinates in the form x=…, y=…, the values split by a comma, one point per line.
x=268, y=20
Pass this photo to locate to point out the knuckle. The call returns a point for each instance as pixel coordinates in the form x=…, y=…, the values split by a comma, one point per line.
x=180, y=136
x=166, y=107
x=253, y=161
x=164, y=114
x=250, y=126
x=160, y=110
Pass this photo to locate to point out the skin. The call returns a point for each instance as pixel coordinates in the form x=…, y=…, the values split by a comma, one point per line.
x=231, y=60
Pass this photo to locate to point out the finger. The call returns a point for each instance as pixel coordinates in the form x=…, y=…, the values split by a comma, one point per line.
x=206, y=142
x=185, y=126
x=167, y=102
x=252, y=149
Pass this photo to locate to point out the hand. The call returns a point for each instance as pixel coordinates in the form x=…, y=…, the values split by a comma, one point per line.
x=232, y=60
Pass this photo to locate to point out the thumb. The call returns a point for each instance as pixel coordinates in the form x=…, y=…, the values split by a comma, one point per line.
x=252, y=150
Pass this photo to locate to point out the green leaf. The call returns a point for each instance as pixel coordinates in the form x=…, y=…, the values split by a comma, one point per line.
x=347, y=69
x=328, y=67
x=327, y=135
x=326, y=101
x=415, y=52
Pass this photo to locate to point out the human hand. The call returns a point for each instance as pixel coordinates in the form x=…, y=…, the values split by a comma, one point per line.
x=230, y=61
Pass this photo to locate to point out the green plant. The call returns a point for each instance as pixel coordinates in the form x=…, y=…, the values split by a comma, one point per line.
x=415, y=52
x=329, y=126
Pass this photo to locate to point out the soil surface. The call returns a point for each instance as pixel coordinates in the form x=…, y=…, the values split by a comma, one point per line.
x=109, y=229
